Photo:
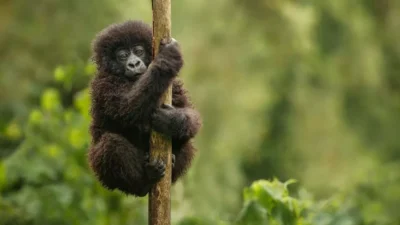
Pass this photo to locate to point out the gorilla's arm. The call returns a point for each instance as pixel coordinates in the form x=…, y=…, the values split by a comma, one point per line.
x=183, y=124
x=179, y=121
x=145, y=94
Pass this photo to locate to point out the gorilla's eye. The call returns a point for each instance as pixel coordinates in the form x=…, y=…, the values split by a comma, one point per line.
x=139, y=50
x=122, y=54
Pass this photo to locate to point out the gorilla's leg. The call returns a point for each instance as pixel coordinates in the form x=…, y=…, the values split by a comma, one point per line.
x=119, y=164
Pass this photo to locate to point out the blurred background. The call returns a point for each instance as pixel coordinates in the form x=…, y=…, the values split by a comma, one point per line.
x=306, y=90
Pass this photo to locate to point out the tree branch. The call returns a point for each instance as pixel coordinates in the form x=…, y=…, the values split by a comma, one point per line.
x=160, y=146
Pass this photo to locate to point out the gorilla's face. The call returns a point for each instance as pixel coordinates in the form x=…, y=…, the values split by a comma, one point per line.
x=132, y=61
x=124, y=50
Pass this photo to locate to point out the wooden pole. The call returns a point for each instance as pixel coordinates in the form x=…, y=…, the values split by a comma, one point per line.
x=160, y=146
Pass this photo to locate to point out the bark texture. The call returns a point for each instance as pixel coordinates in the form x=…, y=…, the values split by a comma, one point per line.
x=160, y=146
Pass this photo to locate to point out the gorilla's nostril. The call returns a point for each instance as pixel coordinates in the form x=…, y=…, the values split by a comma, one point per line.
x=137, y=63
x=131, y=65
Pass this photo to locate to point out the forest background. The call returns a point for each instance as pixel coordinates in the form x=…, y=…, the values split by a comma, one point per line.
x=304, y=90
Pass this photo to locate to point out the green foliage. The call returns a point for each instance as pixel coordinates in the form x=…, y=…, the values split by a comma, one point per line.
x=46, y=33
x=268, y=202
x=201, y=221
x=303, y=89
x=47, y=179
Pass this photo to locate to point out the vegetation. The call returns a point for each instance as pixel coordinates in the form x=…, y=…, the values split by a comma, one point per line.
x=288, y=89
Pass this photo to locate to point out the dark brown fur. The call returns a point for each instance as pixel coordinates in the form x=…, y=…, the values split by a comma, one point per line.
x=123, y=110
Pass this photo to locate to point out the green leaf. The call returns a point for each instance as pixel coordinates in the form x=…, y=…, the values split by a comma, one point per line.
x=252, y=214
x=77, y=138
x=53, y=150
x=270, y=198
x=13, y=131
x=50, y=100
x=82, y=101
x=90, y=69
x=35, y=117
x=59, y=74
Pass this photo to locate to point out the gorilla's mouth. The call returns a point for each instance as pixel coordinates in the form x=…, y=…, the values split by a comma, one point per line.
x=135, y=73
x=132, y=74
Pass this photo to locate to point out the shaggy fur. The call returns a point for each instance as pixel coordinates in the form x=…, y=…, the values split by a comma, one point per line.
x=124, y=110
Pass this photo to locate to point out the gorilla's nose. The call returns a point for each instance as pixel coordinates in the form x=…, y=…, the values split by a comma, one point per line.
x=133, y=64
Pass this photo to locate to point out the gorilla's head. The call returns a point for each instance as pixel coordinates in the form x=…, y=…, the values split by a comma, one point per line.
x=124, y=49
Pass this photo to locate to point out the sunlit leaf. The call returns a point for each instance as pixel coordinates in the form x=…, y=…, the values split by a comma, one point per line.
x=13, y=131
x=90, y=69
x=50, y=100
x=77, y=138
x=59, y=74
x=35, y=117
x=53, y=150
x=82, y=101
x=252, y=214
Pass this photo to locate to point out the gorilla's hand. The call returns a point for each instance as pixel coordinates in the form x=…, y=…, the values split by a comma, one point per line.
x=170, y=57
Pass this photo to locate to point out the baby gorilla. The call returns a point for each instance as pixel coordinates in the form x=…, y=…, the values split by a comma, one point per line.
x=126, y=94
